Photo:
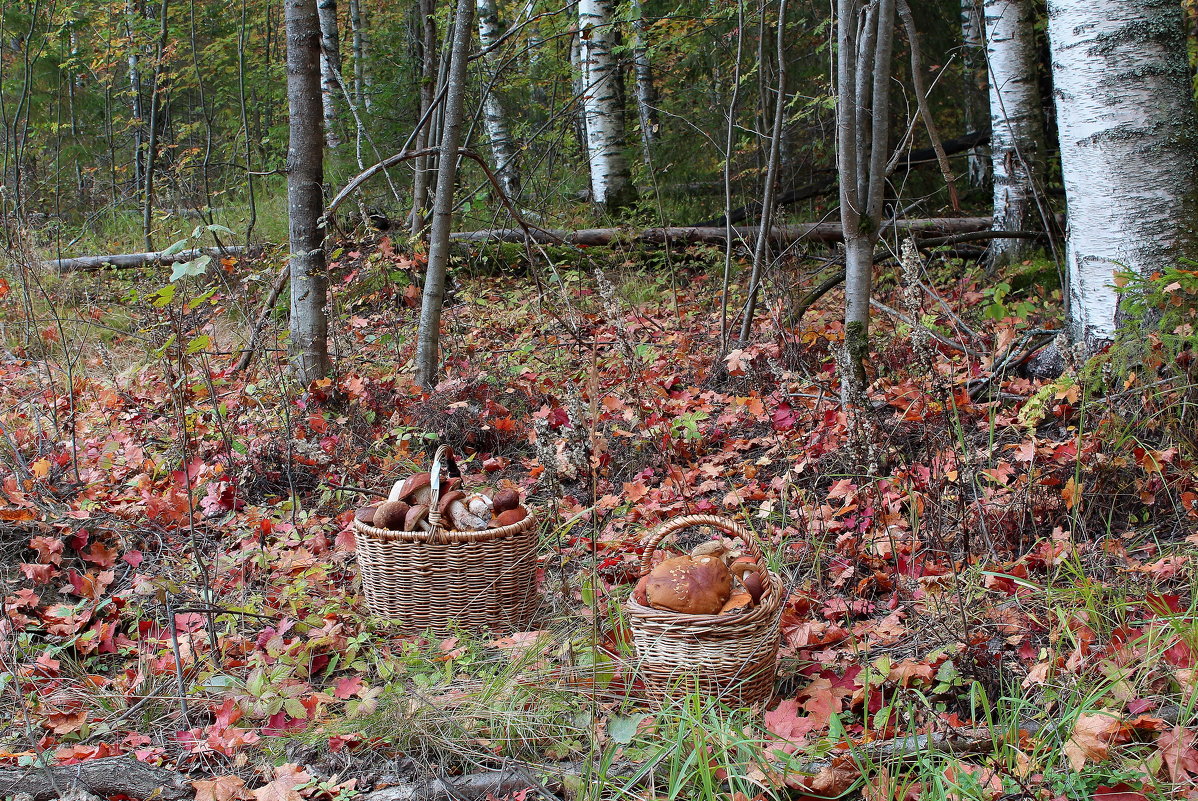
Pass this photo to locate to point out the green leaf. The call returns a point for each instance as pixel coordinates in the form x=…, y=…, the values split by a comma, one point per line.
x=175, y=248
x=198, y=344
x=196, y=266
x=163, y=297
x=216, y=228
x=623, y=728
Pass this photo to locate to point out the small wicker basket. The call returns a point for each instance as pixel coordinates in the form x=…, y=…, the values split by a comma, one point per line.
x=441, y=578
x=732, y=657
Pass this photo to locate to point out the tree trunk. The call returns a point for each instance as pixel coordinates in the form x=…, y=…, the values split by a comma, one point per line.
x=1016, y=127
x=1128, y=151
x=305, y=177
x=362, y=79
x=131, y=13
x=865, y=38
x=503, y=146
x=428, y=80
x=975, y=106
x=152, y=144
x=646, y=92
x=330, y=70
x=428, y=337
x=611, y=181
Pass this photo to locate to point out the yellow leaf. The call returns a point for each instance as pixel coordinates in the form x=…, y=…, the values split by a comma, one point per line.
x=40, y=468
x=1071, y=493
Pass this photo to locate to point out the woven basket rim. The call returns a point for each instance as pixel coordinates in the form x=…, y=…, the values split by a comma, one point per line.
x=443, y=536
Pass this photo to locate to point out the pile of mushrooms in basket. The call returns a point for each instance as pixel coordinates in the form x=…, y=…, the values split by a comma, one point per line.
x=701, y=583
x=459, y=510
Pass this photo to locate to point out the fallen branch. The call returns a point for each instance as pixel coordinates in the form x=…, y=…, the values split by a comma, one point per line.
x=109, y=776
x=780, y=235
x=247, y=353
x=93, y=263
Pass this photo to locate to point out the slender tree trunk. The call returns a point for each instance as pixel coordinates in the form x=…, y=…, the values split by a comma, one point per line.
x=865, y=37
x=305, y=178
x=428, y=87
x=330, y=70
x=578, y=87
x=428, y=337
x=503, y=146
x=646, y=91
x=1129, y=155
x=363, y=95
x=134, y=58
x=611, y=181
x=1016, y=126
x=975, y=106
x=152, y=145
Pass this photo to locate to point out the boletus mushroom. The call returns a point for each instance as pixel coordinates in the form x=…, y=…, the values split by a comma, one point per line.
x=510, y=517
x=504, y=500
x=453, y=510
x=365, y=515
x=696, y=584
x=417, y=517
x=390, y=515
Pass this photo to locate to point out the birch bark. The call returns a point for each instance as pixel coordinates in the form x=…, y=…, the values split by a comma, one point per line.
x=363, y=95
x=305, y=177
x=1129, y=156
x=428, y=336
x=1016, y=127
x=330, y=70
x=646, y=91
x=503, y=146
x=611, y=181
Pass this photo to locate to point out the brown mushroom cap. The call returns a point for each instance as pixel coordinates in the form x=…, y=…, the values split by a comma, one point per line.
x=692, y=586
x=504, y=500
x=638, y=592
x=416, y=488
x=365, y=515
x=415, y=515
x=736, y=602
x=752, y=578
x=448, y=498
x=390, y=515
x=510, y=517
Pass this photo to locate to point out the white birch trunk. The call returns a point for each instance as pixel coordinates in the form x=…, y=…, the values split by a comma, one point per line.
x=1016, y=128
x=646, y=91
x=362, y=82
x=428, y=335
x=975, y=108
x=1128, y=154
x=330, y=69
x=611, y=181
x=503, y=148
x=305, y=198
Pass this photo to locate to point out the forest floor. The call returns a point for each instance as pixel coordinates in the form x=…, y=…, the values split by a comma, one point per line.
x=990, y=578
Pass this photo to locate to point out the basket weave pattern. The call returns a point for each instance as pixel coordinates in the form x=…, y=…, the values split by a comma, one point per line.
x=434, y=579
x=732, y=657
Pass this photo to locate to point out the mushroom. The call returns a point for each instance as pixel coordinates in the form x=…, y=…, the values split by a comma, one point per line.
x=453, y=509
x=504, y=500
x=390, y=515
x=417, y=516
x=479, y=505
x=365, y=515
x=417, y=489
x=697, y=584
x=752, y=577
x=509, y=518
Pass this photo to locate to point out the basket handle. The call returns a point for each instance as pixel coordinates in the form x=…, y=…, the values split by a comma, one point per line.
x=752, y=548
x=434, y=516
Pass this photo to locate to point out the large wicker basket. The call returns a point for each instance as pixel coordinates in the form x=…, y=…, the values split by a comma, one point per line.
x=732, y=657
x=442, y=578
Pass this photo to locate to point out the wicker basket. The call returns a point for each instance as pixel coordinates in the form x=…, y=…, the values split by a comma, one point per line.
x=732, y=657
x=440, y=578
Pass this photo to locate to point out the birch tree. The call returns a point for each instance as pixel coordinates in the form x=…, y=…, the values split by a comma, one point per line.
x=611, y=181
x=428, y=336
x=1016, y=127
x=363, y=95
x=1129, y=158
x=865, y=41
x=975, y=105
x=305, y=178
x=330, y=69
x=503, y=146
x=646, y=90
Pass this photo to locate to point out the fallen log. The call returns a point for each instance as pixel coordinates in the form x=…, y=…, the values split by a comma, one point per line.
x=105, y=777
x=780, y=235
x=92, y=263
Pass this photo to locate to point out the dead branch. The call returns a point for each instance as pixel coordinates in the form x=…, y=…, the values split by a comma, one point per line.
x=93, y=263
x=109, y=776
